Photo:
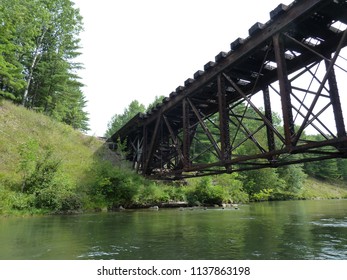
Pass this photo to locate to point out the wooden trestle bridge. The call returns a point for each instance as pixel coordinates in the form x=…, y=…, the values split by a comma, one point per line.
x=264, y=96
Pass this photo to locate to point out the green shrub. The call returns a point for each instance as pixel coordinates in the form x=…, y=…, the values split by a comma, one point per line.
x=47, y=198
x=153, y=194
x=218, y=195
x=28, y=152
x=70, y=202
x=176, y=193
x=232, y=184
x=43, y=174
x=205, y=193
x=116, y=186
x=237, y=195
x=262, y=195
x=4, y=199
x=202, y=190
x=57, y=200
x=192, y=197
x=44, y=186
x=21, y=201
x=283, y=195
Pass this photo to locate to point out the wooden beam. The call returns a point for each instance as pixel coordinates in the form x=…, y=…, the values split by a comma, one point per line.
x=223, y=120
x=206, y=130
x=186, y=134
x=265, y=120
x=268, y=115
x=285, y=89
x=174, y=139
x=154, y=138
x=330, y=68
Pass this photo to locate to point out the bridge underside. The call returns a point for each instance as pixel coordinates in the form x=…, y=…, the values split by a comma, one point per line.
x=256, y=105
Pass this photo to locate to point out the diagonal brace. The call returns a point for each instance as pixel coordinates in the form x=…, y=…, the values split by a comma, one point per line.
x=322, y=85
x=206, y=130
x=265, y=120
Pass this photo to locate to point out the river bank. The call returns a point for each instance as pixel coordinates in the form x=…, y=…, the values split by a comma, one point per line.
x=310, y=229
x=47, y=167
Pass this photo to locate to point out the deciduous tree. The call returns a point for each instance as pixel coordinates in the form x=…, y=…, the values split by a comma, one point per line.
x=118, y=120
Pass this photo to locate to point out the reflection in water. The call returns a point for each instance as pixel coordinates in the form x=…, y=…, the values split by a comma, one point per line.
x=271, y=230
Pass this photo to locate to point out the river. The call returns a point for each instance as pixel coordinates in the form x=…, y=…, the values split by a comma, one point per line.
x=268, y=230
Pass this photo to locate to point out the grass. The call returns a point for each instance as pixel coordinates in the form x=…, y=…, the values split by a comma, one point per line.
x=76, y=152
x=19, y=126
x=81, y=158
x=316, y=189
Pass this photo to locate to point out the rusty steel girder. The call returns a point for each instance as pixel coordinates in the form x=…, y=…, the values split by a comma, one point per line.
x=288, y=64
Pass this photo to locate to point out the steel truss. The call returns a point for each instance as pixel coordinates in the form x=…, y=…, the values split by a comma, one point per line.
x=279, y=84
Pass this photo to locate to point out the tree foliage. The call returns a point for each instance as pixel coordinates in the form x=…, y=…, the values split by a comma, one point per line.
x=331, y=169
x=157, y=100
x=118, y=120
x=38, y=51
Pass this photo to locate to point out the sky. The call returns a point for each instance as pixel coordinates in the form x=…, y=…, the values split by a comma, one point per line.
x=137, y=50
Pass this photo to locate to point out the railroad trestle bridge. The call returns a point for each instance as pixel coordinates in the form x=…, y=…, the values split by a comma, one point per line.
x=255, y=105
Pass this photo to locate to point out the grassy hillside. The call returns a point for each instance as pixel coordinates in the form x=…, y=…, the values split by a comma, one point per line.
x=29, y=140
x=316, y=189
x=46, y=166
x=19, y=128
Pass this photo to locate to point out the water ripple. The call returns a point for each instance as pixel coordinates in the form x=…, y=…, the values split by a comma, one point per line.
x=97, y=252
x=331, y=222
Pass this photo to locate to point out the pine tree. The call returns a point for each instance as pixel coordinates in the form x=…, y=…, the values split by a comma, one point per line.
x=39, y=47
x=12, y=30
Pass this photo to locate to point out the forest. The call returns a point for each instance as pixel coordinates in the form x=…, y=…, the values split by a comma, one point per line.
x=48, y=165
x=39, y=46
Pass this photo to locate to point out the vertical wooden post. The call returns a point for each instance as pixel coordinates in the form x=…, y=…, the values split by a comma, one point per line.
x=335, y=101
x=139, y=146
x=285, y=89
x=186, y=133
x=223, y=122
x=144, y=149
x=154, y=138
x=268, y=115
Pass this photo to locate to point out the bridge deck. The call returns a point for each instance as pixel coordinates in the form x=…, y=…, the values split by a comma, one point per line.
x=279, y=60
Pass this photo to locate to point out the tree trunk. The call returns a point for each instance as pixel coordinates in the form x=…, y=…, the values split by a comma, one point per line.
x=32, y=66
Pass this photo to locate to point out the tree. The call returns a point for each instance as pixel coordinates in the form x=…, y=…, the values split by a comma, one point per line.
x=261, y=181
x=342, y=167
x=157, y=100
x=118, y=120
x=39, y=47
x=294, y=177
x=12, y=26
x=55, y=88
x=330, y=169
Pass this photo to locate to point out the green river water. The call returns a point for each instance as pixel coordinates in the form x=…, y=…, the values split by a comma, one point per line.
x=268, y=230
